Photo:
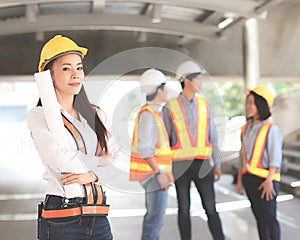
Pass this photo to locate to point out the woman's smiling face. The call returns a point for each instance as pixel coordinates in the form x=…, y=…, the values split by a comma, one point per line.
x=67, y=74
x=251, y=107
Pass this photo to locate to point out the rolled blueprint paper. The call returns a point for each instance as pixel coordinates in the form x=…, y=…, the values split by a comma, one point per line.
x=54, y=120
x=51, y=106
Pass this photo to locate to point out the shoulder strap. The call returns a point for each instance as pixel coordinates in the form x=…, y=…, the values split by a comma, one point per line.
x=75, y=134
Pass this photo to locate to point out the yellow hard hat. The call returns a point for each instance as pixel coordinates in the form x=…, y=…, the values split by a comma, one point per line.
x=58, y=46
x=264, y=92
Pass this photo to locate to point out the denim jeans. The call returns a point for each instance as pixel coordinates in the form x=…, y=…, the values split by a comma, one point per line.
x=76, y=228
x=205, y=186
x=263, y=210
x=156, y=202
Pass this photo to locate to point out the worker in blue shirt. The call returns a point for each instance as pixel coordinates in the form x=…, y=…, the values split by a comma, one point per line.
x=261, y=156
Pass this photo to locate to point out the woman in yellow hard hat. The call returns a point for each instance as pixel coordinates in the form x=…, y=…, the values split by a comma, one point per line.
x=82, y=216
x=261, y=156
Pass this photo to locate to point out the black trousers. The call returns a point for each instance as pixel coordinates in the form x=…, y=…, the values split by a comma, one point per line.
x=200, y=172
x=263, y=210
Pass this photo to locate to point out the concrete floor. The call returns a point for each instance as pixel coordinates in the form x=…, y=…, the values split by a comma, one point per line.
x=18, y=214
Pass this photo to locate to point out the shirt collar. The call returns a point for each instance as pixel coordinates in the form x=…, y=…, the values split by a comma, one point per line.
x=157, y=108
x=258, y=125
x=70, y=117
x=191, y=101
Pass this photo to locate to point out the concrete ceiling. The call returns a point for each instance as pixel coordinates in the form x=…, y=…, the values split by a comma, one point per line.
x=110, y=27
x=179, y=18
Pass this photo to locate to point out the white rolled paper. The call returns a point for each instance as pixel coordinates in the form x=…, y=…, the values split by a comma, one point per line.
x=51, y=106
x=54, y=120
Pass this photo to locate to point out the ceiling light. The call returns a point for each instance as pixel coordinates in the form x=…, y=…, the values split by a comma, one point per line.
x=225, y=22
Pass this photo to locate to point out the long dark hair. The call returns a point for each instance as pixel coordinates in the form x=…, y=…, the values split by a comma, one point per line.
x=88, y=111
x=262, y=106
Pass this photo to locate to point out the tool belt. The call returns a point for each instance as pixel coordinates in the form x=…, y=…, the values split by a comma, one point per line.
x=92, y=205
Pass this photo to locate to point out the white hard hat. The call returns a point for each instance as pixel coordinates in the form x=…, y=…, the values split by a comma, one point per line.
x=150, y=80
x=187, y=68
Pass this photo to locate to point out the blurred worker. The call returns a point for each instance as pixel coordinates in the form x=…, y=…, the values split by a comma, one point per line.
x=194, y=144
x=151, y=161
x=82, y=216
x=260, y=161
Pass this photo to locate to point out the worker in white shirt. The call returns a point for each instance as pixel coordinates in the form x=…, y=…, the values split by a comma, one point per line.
x=83, y=216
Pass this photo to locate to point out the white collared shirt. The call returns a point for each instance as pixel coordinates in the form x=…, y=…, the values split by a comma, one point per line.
x=57, y=158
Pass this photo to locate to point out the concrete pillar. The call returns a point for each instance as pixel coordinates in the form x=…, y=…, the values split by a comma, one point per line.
x=251, y=53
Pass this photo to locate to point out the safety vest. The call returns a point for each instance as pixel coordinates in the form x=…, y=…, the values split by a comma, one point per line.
x=189, y=147
x=96, y=202
x=139, y=168
x=254, y=165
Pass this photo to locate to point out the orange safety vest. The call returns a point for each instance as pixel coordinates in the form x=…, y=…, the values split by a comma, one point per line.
x=254, y=165
x=187, y=146
x=95, y=196
x=139, y=168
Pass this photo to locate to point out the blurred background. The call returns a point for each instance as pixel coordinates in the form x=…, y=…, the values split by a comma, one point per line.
x=240, y=43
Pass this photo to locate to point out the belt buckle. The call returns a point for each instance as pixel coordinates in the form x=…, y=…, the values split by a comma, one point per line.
x=73, y=202
x=68, y=203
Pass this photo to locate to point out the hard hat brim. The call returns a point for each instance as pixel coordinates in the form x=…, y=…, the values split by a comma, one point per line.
x=182, y=78
x=81, y=52
x=263, y=92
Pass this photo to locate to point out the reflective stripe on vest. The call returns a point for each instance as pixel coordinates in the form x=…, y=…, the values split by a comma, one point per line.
x=187, y=146
x=254, y=165
x=83, y=210
x=139, y=168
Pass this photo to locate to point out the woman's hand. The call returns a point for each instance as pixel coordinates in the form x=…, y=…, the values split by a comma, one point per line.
x=81, y=178
x=267, y=189
x=267, y=185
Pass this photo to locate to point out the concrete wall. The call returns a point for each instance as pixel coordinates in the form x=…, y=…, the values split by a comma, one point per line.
x=287, y=114
x=279, y=38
